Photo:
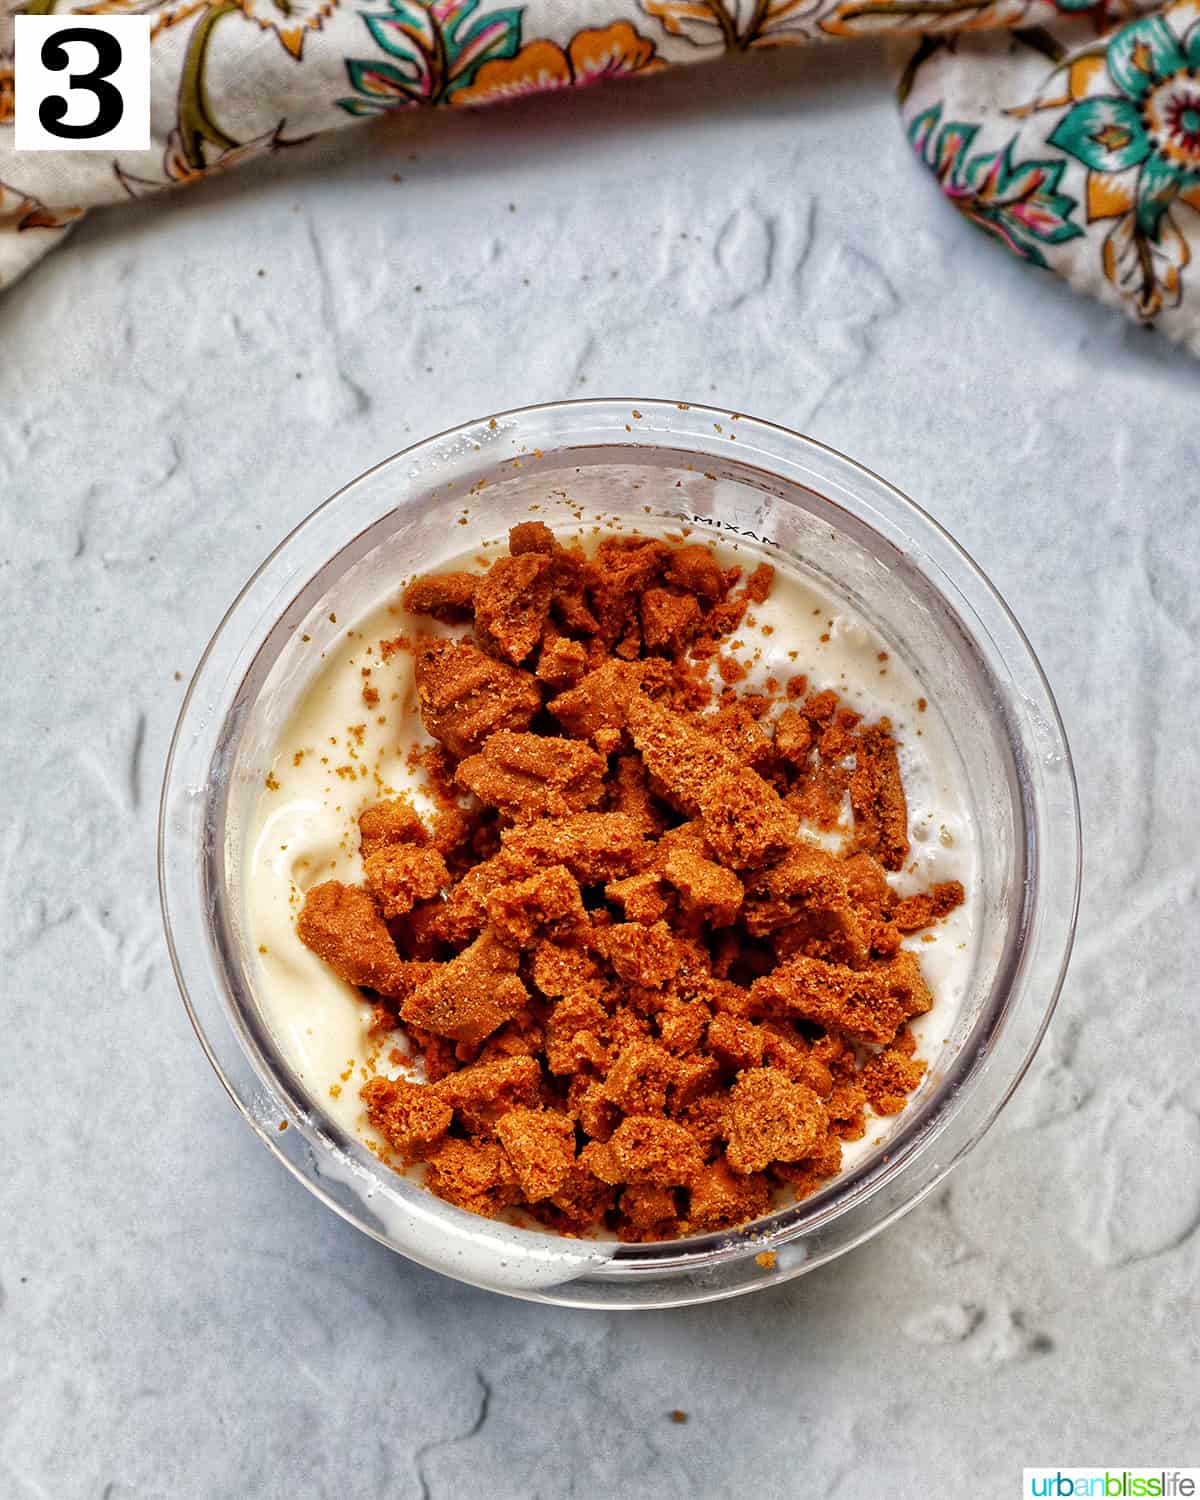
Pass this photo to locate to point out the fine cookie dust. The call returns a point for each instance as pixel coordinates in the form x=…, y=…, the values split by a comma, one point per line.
x=624, y=888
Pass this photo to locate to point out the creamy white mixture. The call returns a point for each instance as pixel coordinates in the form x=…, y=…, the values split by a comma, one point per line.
x=337, y=754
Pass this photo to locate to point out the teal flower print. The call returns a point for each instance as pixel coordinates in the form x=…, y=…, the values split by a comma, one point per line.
x=1018, y=202
x=432, y=48
x=1135, y=126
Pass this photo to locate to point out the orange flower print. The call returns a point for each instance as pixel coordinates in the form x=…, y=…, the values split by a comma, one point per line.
x=179, y=170
x=736, y=25
x=6, y=63
x=289, y=20
x=19, y=211
x=542, y=66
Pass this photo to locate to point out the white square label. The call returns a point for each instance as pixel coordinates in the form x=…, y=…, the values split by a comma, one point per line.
x=82, y=83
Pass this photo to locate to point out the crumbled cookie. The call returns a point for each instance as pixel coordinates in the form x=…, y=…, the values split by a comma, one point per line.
x=877, y=796
x=472, y=1174
x=863, y=1005
x=341, y=924
x=646, y=1148
x=706, y=889
x=595, y=708
x=472, y=995
x=721, y=1197
x=394, y=821
x=669, y=621
x=638, y=1080
x=641, y=897
x=466, y=696
x=545, y=904
x=445, y=596
x=771, y=1119
x=696, y=571
x=561, y=662
x=644, y=1001
x=480, y=1093
x=400, y=875
x=512, y=605
x=641, y=954
x=540, y=1144
x=793, y=738
x=593, y=846
x=928, y=907
x=409, y=1116
x=744, y=818
x=531, y=536
x=534, y=775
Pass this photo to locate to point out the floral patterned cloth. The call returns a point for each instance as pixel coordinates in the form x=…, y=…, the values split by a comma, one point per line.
x=1067, y=129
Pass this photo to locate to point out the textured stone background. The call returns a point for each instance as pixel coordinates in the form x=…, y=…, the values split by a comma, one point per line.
x=178, y=386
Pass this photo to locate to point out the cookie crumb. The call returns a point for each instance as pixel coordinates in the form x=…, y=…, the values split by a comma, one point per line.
x=641, y=1000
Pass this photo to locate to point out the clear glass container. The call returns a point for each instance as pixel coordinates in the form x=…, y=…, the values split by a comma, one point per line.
x=826, y=519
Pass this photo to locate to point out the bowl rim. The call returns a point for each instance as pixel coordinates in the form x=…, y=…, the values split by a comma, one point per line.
x=683, y=427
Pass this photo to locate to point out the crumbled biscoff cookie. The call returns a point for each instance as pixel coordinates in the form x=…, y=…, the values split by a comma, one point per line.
x=758, y=585
x=641, y=897
x=547, y=903
x=466, y=696
x=669, y=621
x=534, y=775
x=561, y=662
x=400, y=875
x=481, y=1093
x=445, y=596
x=744, y=819
x=540, y=1144
x=640, y=954
x=645, y=1003
x=619, y=574
x=342, y=925
x=473, y=1174
x=593, y=846
x=629, y=793
x=471, y=996
x=638, y=1080
x=807, y=879
x=771, y=1119
x=410, y=1117
x=928, y=907
x=793, y=738
x=394, y=821
x=647, y=1148
x=744, y=736
x=647, y=1211
x=864, y=1005
x=707, y=890
x=735, y=1043
x=721, y=1197
x=595, y=708
x=696, y=571
x=888, y=1078
x=877, y=796
x=512, y=605
x=531, y=536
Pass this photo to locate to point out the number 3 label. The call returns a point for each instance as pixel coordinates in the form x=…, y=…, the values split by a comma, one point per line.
x=82, y=83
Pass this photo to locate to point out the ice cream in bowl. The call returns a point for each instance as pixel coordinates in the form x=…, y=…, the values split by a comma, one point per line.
x=619, y=853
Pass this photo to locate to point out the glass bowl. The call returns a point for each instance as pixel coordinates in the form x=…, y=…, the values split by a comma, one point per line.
x=666, y=463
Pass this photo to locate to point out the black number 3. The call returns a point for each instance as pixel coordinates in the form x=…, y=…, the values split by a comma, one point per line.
x=110, y=105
